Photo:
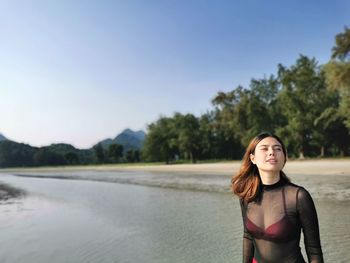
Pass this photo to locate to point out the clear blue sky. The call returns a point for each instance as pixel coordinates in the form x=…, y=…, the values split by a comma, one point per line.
x=82, y=71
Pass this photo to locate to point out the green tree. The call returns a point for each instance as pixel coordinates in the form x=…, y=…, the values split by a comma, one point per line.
x=129, y=156
x=44, y=156
x=338, y=72
x=208, y=142
x=261, y=106
x=160, y=143
x=99, y=153
x=137, y=157
x=71, y=158
x=243, y=113
x=302, y=102
x=188, y=138
x=115, y=152
x=335, y=138
x=16, y=154
x=231, y=121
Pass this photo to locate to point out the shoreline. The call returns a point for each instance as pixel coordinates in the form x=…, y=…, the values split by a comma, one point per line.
x=304, y=167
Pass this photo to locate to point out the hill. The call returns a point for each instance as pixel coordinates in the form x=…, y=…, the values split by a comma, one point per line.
x=13, y=154
x=2, y=138
x=129, y=139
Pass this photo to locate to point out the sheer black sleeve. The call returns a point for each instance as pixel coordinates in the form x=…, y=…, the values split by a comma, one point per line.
x=309, y=223
x=248, y=246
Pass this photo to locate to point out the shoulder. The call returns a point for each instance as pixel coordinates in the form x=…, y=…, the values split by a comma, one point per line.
x=298, y=193
x=303, y=198
x=290, y=184
x=303, y=194
x=293, y=188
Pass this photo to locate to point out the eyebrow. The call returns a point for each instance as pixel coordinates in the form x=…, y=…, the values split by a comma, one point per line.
x=266, y=145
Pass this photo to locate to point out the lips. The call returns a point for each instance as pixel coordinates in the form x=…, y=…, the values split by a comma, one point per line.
x=272, y=161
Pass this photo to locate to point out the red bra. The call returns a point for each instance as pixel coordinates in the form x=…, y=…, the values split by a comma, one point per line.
x=280, y=231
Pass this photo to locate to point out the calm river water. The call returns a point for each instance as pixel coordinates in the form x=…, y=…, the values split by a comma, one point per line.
x=170, y=218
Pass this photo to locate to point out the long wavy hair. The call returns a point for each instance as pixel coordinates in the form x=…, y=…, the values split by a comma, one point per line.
x=246, y=184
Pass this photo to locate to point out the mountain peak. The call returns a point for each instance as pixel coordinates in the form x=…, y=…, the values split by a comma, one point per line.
x=138, y=134
x=128, y=138
x=127, y=130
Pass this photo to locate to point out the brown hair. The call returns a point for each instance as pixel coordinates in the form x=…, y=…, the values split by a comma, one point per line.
x=246, y=183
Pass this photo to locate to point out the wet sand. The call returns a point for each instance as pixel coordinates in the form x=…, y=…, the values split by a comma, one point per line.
x=8, y=192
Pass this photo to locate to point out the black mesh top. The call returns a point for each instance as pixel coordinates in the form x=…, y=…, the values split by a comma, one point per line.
x=273, y=223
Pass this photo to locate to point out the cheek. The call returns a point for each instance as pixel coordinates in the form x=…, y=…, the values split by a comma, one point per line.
x=282, y=157
x=260, y=159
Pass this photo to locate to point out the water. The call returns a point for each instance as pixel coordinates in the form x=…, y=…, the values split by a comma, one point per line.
x=118, y=217
x=88, y=221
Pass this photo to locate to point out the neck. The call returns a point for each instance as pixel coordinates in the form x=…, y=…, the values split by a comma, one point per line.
x=268, y=178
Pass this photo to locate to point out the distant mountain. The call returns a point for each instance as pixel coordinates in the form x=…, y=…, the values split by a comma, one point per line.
x=61, y=148
x=67, y=150
x=13, y=154
x=2, y=138
x=16, y=154
x=131, y=140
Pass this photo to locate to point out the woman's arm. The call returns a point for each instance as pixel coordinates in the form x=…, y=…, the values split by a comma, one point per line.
x=248, y=246
x=309, y=223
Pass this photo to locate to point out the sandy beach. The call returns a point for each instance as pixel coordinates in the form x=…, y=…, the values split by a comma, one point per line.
x=325, y=179
x=295, y=167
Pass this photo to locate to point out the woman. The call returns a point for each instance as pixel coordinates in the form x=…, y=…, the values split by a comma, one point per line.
x=273, y=209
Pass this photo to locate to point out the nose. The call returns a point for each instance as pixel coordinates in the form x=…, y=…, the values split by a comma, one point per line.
x=271, y=151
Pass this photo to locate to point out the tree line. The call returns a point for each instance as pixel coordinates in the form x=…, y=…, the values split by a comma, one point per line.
x=13, y=154
x=306, y=104
x=114, y=153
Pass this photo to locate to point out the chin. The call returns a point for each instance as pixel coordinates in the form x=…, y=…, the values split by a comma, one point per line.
x=272, y=169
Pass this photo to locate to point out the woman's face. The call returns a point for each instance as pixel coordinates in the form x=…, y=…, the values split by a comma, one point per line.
x=268, y=155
